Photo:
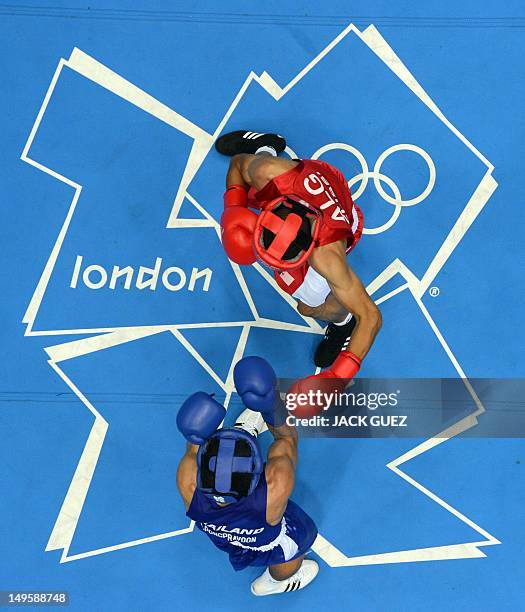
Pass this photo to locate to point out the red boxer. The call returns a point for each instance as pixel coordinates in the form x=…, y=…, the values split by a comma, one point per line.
x=306, y=226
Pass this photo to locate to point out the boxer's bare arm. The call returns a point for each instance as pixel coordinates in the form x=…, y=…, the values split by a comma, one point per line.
x=256, y=170
x=348, y=290
x=187, y=474
x=280, y=471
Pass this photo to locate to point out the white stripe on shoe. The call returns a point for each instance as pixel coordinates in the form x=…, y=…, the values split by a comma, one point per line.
x=252, y=135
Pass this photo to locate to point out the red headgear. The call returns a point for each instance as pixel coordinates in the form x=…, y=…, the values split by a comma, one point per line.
x=287, y=231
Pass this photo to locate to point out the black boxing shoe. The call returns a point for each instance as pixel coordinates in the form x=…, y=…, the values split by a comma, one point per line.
x=249, y=142
x=336, y=338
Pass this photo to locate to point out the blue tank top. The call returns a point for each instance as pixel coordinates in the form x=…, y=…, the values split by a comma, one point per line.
x=240, y=529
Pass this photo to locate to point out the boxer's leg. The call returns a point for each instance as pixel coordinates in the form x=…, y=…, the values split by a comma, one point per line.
x=330, y=310
x=316, y=300
x=263, y=168
x=282, y=571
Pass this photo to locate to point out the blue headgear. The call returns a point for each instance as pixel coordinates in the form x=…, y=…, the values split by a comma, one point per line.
x=229, y=465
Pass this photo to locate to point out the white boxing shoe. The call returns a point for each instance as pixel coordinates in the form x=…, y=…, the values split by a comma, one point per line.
x=266, y=585
x=251, y=421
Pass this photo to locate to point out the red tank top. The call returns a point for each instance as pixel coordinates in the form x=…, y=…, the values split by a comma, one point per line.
x=323, y=187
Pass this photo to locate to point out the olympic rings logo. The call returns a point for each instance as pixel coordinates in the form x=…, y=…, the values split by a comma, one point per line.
x=396, y=201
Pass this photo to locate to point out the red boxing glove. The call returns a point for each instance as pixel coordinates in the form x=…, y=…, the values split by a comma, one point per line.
x=345, y=366
x=238, y=225
x=236, y=195
x=315, y=389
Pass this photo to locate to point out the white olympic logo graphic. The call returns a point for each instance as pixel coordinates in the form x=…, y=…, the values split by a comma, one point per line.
x=397, y=201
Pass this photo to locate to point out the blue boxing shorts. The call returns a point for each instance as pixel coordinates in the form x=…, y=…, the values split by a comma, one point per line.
x=296, y=541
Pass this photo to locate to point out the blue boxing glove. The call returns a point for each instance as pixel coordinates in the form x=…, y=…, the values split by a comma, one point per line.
x=256, y=383
x=199, y=417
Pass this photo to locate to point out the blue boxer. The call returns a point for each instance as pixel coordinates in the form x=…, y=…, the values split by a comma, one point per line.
x=239, y=500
